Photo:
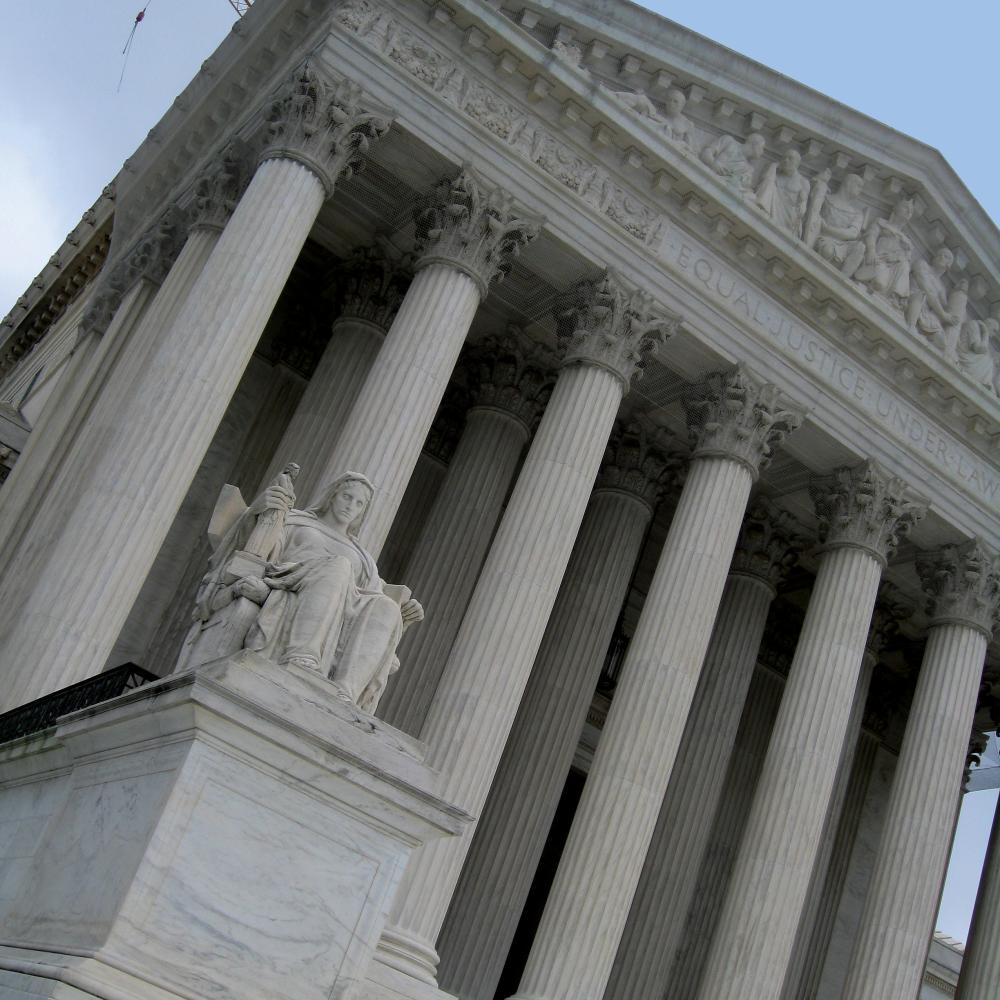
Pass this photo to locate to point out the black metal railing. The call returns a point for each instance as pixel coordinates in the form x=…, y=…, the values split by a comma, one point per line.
x=43, y=712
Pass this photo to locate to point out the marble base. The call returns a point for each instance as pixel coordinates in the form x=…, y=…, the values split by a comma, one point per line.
x=385, y=983
x=233, y=832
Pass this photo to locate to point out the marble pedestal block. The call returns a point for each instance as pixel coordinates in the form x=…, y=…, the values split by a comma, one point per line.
x=232, y=832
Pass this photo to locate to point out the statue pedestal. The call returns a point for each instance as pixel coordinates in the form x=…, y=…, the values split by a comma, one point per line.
x=232, y=832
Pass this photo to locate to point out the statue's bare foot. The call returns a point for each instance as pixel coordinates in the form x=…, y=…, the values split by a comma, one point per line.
x=306, y=662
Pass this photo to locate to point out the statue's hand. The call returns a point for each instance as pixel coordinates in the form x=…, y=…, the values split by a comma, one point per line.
x=252, y=588
x=412, y=612
x=278, y=498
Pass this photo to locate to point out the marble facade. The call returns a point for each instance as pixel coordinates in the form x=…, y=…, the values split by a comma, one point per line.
x=675, y=415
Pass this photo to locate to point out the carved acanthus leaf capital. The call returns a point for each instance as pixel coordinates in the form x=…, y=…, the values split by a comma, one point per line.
x=372, y=286
x=150, y=257
x=962, y=584
x=511, y=372
x=891, y=608
x=732, y=414
x=640, y=461
x=327, y=126
x=768, y=544
x=865, y=507
x=605, y=323
x=470, y=227
x=218, y=190
x=449, y=422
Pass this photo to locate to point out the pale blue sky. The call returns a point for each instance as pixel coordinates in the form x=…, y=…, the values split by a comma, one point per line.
x=928, y=69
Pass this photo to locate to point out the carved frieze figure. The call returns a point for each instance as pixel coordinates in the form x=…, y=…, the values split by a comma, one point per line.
x=672, y=122
x=783, y=193
x=738, y=163
x=839, y=221
x=312, y=599
x=883, y=260
x=975, y=352
x=932, y=310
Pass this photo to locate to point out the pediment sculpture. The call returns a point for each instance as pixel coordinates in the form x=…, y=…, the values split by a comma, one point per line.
x=297, y=587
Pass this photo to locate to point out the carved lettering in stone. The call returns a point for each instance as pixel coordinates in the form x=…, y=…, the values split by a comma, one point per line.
x=962, y=584
x=220, y=187
x=865, y=507
x=734, y=415
x=473, y=228
x=604, y=323
x=371, y=286
x=296, y=586
x=640, y=461
x=324, y=126
x=769, y=542
x=512, y=373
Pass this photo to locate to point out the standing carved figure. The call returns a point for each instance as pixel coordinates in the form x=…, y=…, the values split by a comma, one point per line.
x=318, y=604
x=934, y=311
x=882, y=261
x=737, y=163
x=783, y=193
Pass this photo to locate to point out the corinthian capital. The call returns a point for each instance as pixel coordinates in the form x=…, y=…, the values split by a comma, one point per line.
x=734, y=415
x=324, y=126
x=768, y=545
x=472, y=228
x=962, y=584
x=605, y=323
x=512, y=373
x=891, y=608
x=220, y=187
x=150, y=257
x=864, y=507
x=372, y=287
x=640, y=462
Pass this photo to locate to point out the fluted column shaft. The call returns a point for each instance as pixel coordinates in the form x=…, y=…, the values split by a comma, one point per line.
x=587, y=908
x=725, y=833
x=81, y=596
x=817, y=881
x=837, y=869
x=663, y=897
x=756, y=933
x=446, y=561
x=898, y=919
x=981, y=964
x=395, y=407
x=492, y=655
x=511, y=833
x=327, y=401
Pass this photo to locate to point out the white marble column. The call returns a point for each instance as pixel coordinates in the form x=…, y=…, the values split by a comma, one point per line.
x=78, y=600
x=466, y=237
x=884, y=623
x=373, y=287
x=725, y=831
x=962, y=586
x=764, y=552
x=981, y=964
x=606, y=330
x=511, y=833
x=862, y=514
x=126, y=308
x=735, y=423
x=508, y=378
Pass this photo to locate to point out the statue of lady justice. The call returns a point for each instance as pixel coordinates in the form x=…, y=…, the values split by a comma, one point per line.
x=295, y=586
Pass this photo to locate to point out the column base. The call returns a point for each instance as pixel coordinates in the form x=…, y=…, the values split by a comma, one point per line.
x=235, y=832
x=385, y=983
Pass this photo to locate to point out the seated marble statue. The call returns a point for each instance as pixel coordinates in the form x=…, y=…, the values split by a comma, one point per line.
x=932, y=309
x=883, y=261
x=675, y=126
x=975, y=352
x=309, y=595
x=737, y=163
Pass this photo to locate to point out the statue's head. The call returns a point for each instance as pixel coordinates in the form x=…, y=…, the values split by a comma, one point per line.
x=675, y=100
x=755, y=145
x=853, y=185
x=347, y=499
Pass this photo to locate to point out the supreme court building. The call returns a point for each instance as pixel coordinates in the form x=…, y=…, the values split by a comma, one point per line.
x=667, y=391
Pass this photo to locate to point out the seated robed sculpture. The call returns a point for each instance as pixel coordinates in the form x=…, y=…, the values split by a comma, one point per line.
x=297, y=587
